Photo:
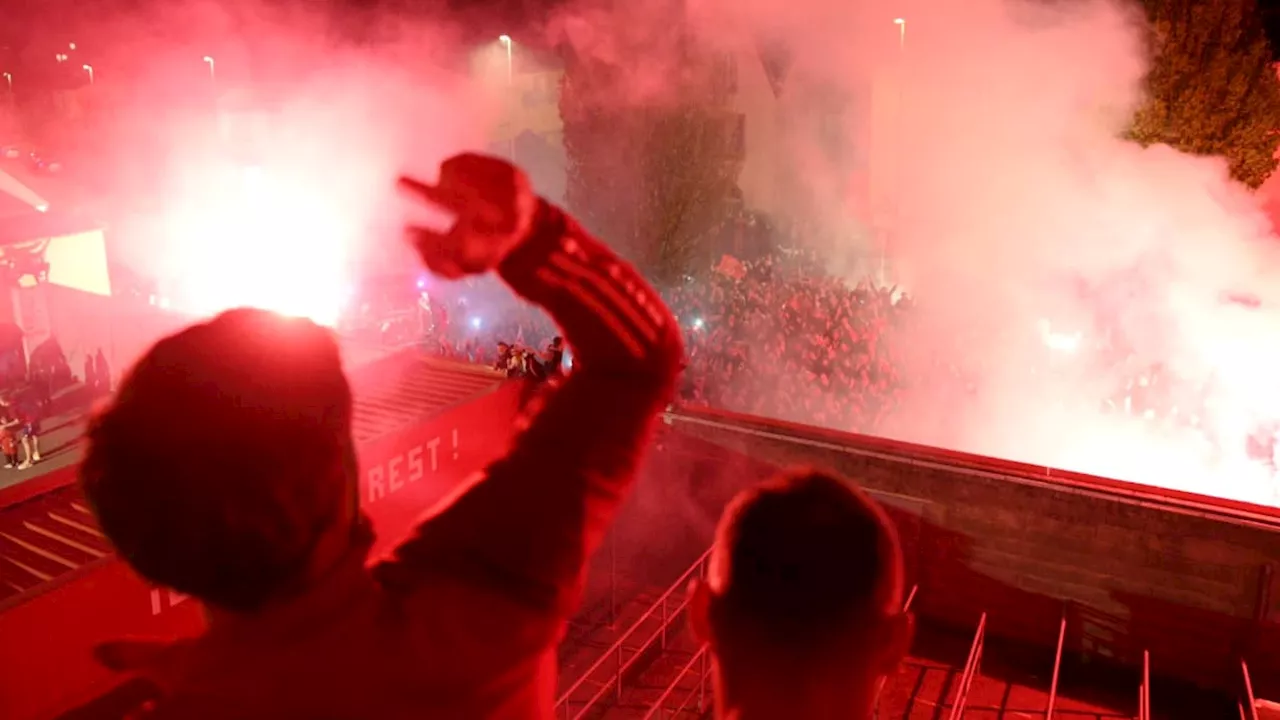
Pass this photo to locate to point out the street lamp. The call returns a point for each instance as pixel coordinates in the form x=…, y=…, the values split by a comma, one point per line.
x=506, y=43
x=209, y=60
x=89, y=69
x=60, y=57
x=897, y=165
x=71, y=46
x=8, y=77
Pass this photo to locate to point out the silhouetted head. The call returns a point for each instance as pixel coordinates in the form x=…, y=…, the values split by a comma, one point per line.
x=802, y=606
x=224, y=466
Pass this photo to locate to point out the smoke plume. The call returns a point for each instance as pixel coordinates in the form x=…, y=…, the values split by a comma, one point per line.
x=983, y=139
x=258, y=144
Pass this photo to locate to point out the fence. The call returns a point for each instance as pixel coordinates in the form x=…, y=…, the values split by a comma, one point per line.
x=609, y=672
x=1144, y=690
x=971, y=665
x=1248, y=704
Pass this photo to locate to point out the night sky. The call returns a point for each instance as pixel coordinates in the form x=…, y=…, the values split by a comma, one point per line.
x=22, y=21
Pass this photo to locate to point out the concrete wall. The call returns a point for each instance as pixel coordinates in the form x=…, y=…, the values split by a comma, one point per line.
x=1191, y=580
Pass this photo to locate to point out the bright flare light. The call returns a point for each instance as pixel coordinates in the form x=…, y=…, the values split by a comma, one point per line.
x=1061, y=342
x=247, y=237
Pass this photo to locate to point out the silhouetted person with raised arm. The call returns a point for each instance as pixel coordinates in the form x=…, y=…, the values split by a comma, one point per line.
x=802, y=606
x=463, y=620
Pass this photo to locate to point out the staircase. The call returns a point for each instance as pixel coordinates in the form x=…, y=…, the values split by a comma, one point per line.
x=634, y=672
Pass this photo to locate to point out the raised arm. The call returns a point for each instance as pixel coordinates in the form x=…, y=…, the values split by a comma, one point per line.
x=523, y=530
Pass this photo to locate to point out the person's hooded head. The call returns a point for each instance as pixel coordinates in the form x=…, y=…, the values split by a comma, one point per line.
x=224, y=466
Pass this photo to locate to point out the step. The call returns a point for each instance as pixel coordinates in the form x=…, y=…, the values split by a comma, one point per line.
x=591, y=638
x=660, y=671
x=918, y=690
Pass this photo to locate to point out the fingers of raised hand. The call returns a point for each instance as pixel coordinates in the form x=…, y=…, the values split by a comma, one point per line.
x=438, y=252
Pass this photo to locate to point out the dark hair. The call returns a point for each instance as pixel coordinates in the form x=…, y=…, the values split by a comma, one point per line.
x=224, y=456
x=809, y=556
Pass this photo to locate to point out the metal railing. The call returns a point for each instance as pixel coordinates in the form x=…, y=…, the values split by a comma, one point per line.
x=700, y=660
x=971, y=666
x=606, y=676
x=906, y=607
x=1144, y=690
x=1051, y=705
x=1247, y=703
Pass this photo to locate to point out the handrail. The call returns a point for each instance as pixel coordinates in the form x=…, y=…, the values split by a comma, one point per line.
x=1144, y=691
x=970, y=669
x=1248, y=704
x=1057, y=667
x=911, y=598
x=703, y=656
x=564, y=704
x=906, y=607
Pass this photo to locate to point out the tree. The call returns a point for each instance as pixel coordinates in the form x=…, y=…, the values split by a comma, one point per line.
x=655, y=178
x=690, y=168
x=1212, y=89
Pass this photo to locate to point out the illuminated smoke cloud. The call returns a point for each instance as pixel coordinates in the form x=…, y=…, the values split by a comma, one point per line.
x=998, y=123
x=285, y=195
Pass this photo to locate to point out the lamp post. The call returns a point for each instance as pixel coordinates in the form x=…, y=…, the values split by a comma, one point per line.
x=89, y=69
x=511, y=98
x=897, y=165
x=8, y=78
x=212, y=76
x=506, y=43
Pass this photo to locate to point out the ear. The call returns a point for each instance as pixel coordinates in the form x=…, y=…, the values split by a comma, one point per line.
x=899, y=631
x=700, y=598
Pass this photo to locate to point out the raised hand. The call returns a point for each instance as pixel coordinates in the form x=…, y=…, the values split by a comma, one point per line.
x=495, y=208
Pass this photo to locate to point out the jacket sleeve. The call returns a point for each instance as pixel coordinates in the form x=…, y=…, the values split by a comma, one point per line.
x=524, y=529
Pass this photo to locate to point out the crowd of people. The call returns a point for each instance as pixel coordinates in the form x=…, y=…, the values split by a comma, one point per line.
x=27, y=398
x=781, y=341
x=773, y=337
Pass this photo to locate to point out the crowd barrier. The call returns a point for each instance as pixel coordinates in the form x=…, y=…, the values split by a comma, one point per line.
x=47, y=634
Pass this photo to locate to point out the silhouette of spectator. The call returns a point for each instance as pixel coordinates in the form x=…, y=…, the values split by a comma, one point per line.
x=802, y=604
